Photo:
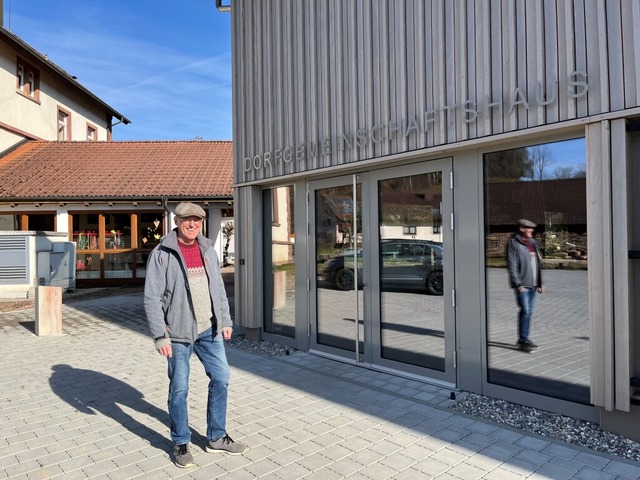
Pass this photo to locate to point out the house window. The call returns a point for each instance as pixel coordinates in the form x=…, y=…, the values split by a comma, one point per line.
x=92, y=133
x=27, y=80
x=104, y=248
x=64, y=125
x=409, y=230
x=45, y=221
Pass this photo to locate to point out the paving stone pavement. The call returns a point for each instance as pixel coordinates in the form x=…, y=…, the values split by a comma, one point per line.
x=92, y=404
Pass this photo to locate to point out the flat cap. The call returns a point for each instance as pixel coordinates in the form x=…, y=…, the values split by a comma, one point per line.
x=187, y=209
x=526, y=223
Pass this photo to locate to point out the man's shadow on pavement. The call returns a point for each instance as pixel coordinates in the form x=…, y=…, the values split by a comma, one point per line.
x=93, y=392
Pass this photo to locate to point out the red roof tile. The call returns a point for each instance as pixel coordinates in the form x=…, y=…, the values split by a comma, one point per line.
x=40, y=170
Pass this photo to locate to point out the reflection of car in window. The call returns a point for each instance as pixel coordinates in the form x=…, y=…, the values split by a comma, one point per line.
x=405, y=264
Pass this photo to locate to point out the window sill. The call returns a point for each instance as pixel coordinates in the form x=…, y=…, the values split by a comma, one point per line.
x=35, y=99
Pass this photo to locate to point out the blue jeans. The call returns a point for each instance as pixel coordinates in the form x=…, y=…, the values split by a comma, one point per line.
x=525, y=300
x=210, y=351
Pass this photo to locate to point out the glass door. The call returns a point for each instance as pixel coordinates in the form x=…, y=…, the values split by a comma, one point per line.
x=337, y=242
x=412, y=318
x=382, y=282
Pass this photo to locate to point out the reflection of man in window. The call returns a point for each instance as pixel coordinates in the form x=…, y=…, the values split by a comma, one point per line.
x=525, y=277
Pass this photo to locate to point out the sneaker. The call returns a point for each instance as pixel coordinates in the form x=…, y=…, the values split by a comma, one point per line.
x=523, y=347
x=226, y=445
x=182, y=456
x=527, y=343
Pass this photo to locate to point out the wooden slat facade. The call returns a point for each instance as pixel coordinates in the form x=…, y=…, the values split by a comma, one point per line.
x=320, y=84
x=314, y=71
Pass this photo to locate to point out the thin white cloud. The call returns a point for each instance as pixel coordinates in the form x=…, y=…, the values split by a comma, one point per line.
x=169, y=93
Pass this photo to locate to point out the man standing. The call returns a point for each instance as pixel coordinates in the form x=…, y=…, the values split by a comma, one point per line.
x=187, y=310
x=525, y=277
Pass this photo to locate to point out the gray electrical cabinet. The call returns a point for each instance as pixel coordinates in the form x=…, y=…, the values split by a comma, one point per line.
x=14, y=260
x=56, y=268
x=32, y=258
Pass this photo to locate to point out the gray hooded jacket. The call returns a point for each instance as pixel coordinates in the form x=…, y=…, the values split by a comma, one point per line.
x=168, y=303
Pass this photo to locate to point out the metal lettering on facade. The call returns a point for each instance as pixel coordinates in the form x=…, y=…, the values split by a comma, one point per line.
x=469, y=111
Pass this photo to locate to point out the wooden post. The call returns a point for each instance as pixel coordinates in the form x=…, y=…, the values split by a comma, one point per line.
x=279, y=288
x=48, y=311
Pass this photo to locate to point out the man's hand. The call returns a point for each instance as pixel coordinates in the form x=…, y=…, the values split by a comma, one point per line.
x=226, y=333
x=165, y=351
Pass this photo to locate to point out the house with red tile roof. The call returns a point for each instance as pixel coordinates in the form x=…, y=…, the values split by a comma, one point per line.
x=114, y=199
x=63, y=180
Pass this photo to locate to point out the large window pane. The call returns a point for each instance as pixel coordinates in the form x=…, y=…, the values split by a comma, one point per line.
x=339, y=281
x=87, y=266
x=411, y=270
x=280, y=253
x=141, y=263
x=546, y=185
x=29, y=221
x=85, y=231
x=9, y=222
x=106, y=248
x=42, y=222
x=117, y=230
x=85, y=234
x=150, y=229
x=118, y=265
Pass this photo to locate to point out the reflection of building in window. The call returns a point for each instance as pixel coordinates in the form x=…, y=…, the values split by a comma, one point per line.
x=545, y=185
x=279, y=303
x=557, y=206
x=410, y=206
x=334, y=216
x=437, y=219
x=274, y=208
x=28, y=80
x=64, y=125
x=282, y=209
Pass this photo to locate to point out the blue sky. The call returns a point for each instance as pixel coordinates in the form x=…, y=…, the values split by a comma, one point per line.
x=165, y=65
x=568, y=153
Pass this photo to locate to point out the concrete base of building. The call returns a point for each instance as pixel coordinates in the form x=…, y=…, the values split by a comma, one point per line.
x=623, y=423
x=252, y=334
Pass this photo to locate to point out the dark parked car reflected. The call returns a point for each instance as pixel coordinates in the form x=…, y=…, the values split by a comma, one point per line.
x=405, y=264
